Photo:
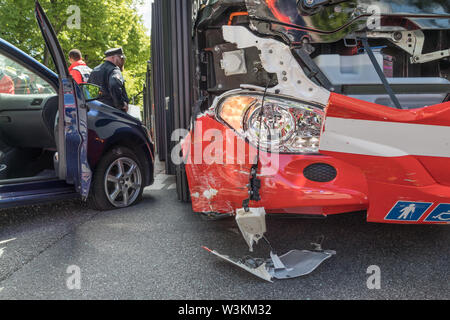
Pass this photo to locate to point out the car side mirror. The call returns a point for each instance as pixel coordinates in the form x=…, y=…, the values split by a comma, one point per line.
x=91, y=91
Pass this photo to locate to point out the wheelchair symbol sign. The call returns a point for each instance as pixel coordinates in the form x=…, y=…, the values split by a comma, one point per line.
x=408, y=211
x=440, y=214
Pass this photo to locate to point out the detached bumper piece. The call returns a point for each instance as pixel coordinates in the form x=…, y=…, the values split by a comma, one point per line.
x=295, y=263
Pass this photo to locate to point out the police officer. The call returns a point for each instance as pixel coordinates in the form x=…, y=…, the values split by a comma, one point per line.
x=109, y=77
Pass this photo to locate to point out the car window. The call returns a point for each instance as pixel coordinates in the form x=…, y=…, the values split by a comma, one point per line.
x=17, y=80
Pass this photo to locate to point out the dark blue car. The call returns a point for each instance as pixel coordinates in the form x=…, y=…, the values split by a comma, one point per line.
x=58, y=142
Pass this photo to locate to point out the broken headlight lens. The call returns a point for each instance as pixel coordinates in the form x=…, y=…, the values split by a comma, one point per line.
x=282, y=125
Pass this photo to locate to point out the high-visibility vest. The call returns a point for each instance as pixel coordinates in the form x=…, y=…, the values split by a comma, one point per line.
x=85, y=72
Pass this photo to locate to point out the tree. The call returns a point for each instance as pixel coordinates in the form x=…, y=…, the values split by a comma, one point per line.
x=103, y=24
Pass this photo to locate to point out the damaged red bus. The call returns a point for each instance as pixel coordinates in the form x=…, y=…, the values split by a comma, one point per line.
x=308, y=107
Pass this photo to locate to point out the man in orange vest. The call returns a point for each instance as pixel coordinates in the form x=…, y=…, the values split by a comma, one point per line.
x=78, y=69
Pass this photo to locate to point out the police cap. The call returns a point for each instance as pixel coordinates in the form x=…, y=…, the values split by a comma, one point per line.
x=115, y=52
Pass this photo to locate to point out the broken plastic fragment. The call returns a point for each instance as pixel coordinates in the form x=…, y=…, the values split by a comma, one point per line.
x=276, y=261
x=298, y=263
x=293, y=264
x=252, y=225
x=259, y=271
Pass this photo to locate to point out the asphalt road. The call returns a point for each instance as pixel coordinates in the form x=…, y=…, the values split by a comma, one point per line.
x=153, y=251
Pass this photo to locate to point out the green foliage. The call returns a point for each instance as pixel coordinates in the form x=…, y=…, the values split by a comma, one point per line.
x=104, y=24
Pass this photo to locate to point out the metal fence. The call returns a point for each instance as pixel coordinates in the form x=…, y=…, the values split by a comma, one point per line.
x=171, y=78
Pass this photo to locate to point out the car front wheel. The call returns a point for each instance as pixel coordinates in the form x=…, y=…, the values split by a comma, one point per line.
x=118, y=180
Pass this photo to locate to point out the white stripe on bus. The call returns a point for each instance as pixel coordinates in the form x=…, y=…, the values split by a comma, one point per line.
x=385, y=139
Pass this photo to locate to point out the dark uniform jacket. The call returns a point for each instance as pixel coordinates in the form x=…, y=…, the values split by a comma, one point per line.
x=109, y=77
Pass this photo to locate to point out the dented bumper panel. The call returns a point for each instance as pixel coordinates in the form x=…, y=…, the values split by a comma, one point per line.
x=221, y=186
x=365, y=167
x=294, y=264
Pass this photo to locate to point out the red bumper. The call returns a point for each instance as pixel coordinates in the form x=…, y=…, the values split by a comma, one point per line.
x=221, y=186
x=386, y=166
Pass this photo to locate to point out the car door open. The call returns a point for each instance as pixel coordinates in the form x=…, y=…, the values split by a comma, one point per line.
x=72, y=133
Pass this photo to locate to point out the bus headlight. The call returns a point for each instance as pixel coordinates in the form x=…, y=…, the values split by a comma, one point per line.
x=283, y=125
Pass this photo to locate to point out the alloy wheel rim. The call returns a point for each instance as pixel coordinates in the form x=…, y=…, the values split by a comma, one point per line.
x=123, y=181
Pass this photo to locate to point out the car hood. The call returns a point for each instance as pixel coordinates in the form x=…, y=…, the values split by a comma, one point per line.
x=104, y=113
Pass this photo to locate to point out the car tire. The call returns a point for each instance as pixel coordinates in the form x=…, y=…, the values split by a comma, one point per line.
x=118, y=180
